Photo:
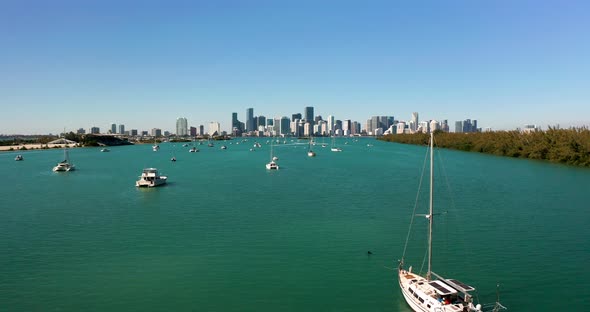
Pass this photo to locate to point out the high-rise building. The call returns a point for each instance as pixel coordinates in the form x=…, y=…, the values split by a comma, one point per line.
x=133, y=132
x=236, y=124
x=330, y=125
x=95, y=130
x=346, y=127
x=415, y=121
x=285, y=126
x=156, y=132
x=121, y=129
x=295, y=117
x=214, y=128
x=309, y=114
x=113, y=128
x=201, y=130
x=193, y=131
x=467, y=126
x=250, y=126
x=181, y=126
x=81, y=131
x=261, y=121
x=458, y=126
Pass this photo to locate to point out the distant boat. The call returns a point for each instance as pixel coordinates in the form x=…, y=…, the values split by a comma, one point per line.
x=184, y=145
x=432, y=292
x=104, y=150
x=334, y=148
x=275, y=158
x=193, y=150
x=173, y=159
x=150, y=178
x=272, y=165
x=223, y=147
x=19, y=157
x=310, y=153
x=155, y=147
x=64, y=165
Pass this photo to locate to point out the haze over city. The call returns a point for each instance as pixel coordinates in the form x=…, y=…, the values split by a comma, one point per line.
x=72, y=64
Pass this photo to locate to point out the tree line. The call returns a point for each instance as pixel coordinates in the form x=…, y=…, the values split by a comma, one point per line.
x=567, y=146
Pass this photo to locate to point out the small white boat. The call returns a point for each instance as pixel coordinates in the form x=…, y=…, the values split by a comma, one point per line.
x=184, y=145
x=19, y=157
x=150, y=178
x=173, y=159
x=193, y=150
x=272, y=166
x=336, y=149
x=311, y=153
x=156, y=147
x=256, y=144
x=104, y=150
x=223, y=147
x=65, y=164
x=275, y=158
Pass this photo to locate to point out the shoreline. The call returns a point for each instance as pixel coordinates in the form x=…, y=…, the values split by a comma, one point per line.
x=36, y=146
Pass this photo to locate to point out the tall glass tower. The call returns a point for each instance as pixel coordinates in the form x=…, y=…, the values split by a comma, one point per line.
x=181, y=127
x=250, y=120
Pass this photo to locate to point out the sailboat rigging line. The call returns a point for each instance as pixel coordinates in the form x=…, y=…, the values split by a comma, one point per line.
x=415, y=206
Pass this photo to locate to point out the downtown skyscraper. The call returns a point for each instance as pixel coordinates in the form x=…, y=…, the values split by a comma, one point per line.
x=181, y=126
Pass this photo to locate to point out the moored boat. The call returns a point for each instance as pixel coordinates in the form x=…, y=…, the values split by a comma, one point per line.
x=150, y=177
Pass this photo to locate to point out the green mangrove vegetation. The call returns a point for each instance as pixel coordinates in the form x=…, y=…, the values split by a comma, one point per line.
x=567, y=146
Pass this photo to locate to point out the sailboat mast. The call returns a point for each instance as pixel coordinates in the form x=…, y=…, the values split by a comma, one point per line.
x=428, y=274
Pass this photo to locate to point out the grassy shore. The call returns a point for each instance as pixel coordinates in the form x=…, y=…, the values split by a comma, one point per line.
x=567, y=146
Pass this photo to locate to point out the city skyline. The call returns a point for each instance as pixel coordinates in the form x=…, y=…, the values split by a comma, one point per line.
x=69, y=64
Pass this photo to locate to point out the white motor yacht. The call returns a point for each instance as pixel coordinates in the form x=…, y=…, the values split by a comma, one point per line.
x=272, y=166
x=18, y=157
x=150, y=178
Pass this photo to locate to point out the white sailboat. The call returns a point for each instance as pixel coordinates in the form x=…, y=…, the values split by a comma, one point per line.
x=64, y=165
x=334, y=148
x=310, y=153
x=272, y=165
x=155, y=147
x=432, y=292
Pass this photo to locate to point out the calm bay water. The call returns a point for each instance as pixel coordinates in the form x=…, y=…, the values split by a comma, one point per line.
x=227, y=235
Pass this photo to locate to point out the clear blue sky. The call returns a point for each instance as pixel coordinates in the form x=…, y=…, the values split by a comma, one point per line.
x=144, y=63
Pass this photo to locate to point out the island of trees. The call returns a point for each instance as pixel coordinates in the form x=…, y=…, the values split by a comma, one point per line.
x=567, y=146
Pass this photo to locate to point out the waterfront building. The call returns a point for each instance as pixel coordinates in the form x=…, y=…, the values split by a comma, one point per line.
x=423, y=127
x=237, y=125
x=250, y=126
x=415, y=121
x=214, y=128
x=113, y=128
x=330, y=125
x=261, y=121
x=121, y=129
x=95, y=130
x=193, y=131
x=156, y=132
x=309, y=114
x=356, y=128
x=166, y=133
x=144, y=133
x=307, y=129
x=295, y=117
x=181, y=127
x=81, y=131
x=285, y=126
x=133, y=132
x=201, y=130
x=346, y=127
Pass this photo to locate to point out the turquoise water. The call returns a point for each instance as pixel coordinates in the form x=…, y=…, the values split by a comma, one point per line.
x=227, y=235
